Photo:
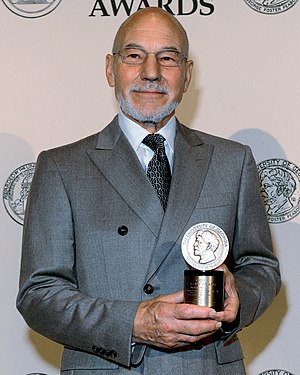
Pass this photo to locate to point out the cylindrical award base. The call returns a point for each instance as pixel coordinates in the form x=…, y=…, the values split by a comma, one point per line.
x=204, y=288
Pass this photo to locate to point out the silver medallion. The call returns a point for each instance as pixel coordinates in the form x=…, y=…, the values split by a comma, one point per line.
x=205, y=246
x=280, y=189
x=16, y=191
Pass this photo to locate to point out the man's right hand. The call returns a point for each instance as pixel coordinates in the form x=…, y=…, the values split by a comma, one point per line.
x=167, y=322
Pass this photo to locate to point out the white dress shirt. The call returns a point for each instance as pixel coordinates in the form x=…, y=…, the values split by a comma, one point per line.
x=135, y=135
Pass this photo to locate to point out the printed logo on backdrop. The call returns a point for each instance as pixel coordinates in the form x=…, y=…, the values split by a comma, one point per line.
x=31, y=8
x=16, y=191
x=280, y=189
x=275, y=372
x=107, y=8
x=271, y=6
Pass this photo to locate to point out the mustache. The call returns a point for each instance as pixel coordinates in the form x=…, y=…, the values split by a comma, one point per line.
x=149, y=86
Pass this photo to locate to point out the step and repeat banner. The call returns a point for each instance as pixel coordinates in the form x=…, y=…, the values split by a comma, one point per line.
x=246, y=87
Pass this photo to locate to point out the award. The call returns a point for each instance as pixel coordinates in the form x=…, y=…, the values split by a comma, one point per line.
x=204, y=247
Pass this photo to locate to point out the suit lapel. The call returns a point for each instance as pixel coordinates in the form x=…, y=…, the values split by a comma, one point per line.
x=191, y=161
x=117, y=161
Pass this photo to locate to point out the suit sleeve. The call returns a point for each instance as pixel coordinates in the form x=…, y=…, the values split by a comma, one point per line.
x=49, y=297
x=253, y=262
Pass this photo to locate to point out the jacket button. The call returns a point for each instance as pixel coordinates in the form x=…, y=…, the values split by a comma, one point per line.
x=112, y=353
x=122, y=230
x=148, y=289
x=103, y=351
x=96, y=349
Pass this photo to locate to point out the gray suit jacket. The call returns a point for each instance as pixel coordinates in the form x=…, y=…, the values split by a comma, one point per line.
x=95, y=234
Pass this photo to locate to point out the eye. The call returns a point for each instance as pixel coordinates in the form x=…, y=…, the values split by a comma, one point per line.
x=132, y=55
x=168, y=57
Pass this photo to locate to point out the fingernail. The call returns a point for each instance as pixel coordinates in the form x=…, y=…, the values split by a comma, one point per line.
x=212, y=314
x=218, y=325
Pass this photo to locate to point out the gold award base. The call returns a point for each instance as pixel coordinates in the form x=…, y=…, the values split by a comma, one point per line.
x=204, y=288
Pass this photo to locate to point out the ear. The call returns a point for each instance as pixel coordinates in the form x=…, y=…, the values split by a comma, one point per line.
x=188, y=74
x=110, y=70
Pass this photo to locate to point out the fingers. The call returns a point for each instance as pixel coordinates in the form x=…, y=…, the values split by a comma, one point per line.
x=231, y=303
x=191, y=334
x=198, y=327
x=168, y=323
x=191, y=312
x=186, y=311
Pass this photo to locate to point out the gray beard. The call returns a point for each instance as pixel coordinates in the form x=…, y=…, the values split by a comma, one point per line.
x=137, y=114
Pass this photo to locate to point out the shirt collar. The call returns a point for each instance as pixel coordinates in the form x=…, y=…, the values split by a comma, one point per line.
x=135, y=133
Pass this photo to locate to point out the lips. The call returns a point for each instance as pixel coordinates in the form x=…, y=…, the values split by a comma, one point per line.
x=150, y=92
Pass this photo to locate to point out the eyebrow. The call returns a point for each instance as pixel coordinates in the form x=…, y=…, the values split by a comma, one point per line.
x=138, y=46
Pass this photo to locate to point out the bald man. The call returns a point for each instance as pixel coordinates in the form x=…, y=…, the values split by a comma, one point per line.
x=102, y=270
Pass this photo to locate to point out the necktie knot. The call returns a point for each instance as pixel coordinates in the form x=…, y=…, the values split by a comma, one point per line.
x=154, y=141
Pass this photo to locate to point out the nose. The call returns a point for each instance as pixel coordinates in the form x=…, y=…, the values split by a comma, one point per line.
x=151, y=70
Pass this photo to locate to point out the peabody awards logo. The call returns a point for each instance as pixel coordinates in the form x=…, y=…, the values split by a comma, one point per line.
x=31, y=8
x=16, y=191
x=271, y=6
x=280, y=189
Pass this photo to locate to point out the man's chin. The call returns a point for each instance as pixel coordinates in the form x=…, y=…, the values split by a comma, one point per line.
x=149, y=119
x=147, y=114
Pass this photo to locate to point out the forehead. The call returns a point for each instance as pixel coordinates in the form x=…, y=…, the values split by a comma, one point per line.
x=152, y=33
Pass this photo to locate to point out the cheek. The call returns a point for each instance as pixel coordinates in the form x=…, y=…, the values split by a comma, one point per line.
x=122, y=85
x=176, y=85
x=124, y=77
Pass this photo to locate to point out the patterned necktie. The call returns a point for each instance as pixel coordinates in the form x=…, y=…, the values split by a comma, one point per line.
x=158, y=171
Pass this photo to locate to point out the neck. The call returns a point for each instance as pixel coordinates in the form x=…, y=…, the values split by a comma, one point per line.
x=152, y=127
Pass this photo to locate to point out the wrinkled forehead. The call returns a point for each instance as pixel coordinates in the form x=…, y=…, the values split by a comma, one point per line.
x=151, y=28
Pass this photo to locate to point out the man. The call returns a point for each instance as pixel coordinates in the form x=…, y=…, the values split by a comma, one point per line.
x=102, y=269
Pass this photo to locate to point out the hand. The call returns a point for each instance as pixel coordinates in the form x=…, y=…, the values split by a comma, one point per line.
x=232, y=302
x=167, y=322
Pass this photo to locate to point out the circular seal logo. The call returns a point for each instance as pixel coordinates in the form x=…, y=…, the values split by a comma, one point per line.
x=280, y=189
x=275, y=372
x=271, y=6
x=16, y=191
x=31, y=8
x=205, y=246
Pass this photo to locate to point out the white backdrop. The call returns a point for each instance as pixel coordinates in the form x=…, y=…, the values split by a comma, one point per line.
x=246, y=87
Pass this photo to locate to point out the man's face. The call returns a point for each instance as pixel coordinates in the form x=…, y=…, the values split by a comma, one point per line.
x=149, y=90
x=199, y=246
x=269, y=192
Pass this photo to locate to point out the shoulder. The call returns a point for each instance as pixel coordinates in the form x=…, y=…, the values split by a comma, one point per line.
x=196, y=137
x=81, y=144
x=77, y=149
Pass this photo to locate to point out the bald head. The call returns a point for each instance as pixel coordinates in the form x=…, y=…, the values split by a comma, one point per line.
x=151, y=14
